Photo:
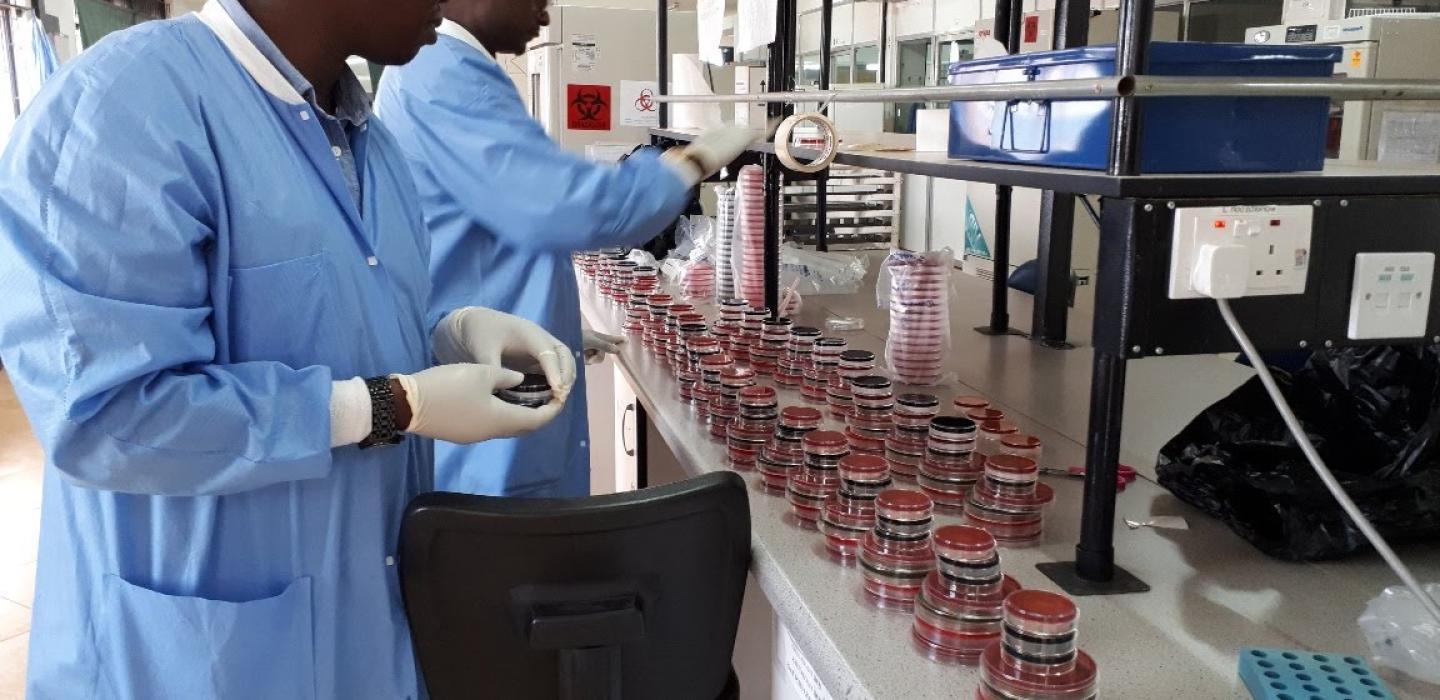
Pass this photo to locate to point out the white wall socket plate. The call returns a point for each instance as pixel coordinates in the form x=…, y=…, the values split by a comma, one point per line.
x=1278, y=236
x=1391, y=295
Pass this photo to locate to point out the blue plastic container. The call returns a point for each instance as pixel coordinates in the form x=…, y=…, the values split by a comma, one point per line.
x=1177, y=134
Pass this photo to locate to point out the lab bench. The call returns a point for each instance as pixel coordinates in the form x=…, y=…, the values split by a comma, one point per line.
x=1210, y=593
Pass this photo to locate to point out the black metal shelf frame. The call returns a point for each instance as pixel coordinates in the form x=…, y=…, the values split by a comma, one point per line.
x=1133, y=317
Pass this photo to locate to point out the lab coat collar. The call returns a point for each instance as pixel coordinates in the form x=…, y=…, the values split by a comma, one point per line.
x=455, y=31
x=261, y=70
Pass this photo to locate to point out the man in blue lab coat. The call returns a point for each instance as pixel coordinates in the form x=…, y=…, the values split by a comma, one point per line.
x=215, y=278
x=506, y=207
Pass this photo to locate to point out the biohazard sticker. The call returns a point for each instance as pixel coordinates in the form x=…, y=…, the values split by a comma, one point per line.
x=589, y=107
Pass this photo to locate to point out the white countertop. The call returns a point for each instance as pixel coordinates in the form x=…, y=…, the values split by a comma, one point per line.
x=1212, y=593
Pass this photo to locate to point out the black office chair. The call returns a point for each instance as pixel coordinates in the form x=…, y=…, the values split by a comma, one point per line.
x=633, y=596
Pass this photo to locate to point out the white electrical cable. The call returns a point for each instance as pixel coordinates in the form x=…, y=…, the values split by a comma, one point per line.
x=1323, y=471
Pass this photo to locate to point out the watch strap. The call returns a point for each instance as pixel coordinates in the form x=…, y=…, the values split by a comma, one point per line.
x=382, y=415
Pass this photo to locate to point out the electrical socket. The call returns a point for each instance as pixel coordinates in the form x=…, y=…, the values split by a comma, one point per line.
x=1277, y=236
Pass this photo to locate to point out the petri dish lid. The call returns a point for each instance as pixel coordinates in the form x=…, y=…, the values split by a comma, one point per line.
x=799, y=414
x=985, y=414
x=964, y=538
x=966, y=403
x=864, y=465
x=532, y=382
x=757, y=392
x=1044, y=607
x=857, y=356
x=952, y=424
x=661, y=299
x=1011, y=464
x=900, y=500
x=917, y=400
x=871, y=381
x=831, y=342
x=824, y=438
x=999, y=426
x=692, y=327
x=1020, y=441
x=805, y=331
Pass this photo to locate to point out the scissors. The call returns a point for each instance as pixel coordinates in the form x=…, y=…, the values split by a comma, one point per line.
x=1123, y=476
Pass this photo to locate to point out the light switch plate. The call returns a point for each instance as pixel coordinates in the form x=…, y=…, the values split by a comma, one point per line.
x=1390, y=296
x=1277, y=236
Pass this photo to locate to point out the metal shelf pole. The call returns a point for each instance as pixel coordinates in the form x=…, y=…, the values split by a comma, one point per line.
x=780, y=77
x=662, y=58
x=822, y=178
x=1012, y=12
x=1049, y=322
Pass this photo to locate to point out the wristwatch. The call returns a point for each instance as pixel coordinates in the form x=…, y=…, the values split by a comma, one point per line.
x=382, y=415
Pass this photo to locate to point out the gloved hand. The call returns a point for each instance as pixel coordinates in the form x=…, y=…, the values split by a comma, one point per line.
x=598, y=344
x=712, y=150
x=457, y=403
x=489, y=337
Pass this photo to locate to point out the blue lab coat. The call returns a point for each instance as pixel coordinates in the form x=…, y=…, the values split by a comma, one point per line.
x=506, y=206
x=184, y=274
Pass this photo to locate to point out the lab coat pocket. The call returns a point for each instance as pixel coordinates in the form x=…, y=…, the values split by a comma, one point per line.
x=154, y=646
x=277, y=310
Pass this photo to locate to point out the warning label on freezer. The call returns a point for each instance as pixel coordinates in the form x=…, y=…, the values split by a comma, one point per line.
x=589, y=107
x=584, y=51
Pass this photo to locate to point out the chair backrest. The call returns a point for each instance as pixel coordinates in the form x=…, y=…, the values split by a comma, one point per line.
x=634, y=595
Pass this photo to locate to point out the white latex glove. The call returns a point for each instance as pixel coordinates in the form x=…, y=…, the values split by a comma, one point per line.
x=457, y=403
x=712, y=150
x=598, y=344
x=489, y=337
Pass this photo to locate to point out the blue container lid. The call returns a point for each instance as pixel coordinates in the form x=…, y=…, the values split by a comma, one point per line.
x=1161, y=52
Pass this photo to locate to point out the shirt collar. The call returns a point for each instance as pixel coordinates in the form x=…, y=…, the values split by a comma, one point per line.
x=351, y=104
x=455, y=31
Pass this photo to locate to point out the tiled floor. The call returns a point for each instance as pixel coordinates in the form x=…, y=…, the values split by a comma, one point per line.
x=20, y=474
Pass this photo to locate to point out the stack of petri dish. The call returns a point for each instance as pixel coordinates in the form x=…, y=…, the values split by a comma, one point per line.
x=680, y=352
x=605, y=281
x=1037, y=656
x=869, y=422
x=959, y=610
x=1009, y=503
x=750, y=203
x=726, y=406
x=897, y=555
x=699, y=280
x=774, y=336
x=711, y=367
x=589, y=262
x=659, y=315
x=853, y=363
x=749, y=337
x=636, y=313
x=664, y=341
x=951, y=466
x=681, y=312
x=785, y=454
x=732, y=320
x=819, y=478
x=919, y=318
x=991, y=433
x=988, y=413
x=644, y=281
x=790, y=373
x=851, y=512
x=687, y=380
x=620, y=285
x=825, y=361
x=905, y=445
x=753, y=427
x=725, y=287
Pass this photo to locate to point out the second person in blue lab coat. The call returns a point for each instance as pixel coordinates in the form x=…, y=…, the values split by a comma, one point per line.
x=506, y=207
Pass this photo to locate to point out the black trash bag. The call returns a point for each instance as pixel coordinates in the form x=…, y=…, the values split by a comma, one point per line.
x=1371, y=413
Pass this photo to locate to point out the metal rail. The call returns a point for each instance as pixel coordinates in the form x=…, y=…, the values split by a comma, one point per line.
x=1142, y=86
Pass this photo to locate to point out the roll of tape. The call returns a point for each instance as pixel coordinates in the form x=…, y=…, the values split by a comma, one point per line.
x=827, y=153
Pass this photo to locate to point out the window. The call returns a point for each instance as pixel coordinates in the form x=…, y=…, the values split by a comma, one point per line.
x=953, y=51
x=9, y=90
x=913, y=65
x=807, y=72
x=867, y=64
x=840, y=67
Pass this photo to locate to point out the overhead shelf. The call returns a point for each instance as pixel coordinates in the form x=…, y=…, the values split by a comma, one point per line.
x=1339, y=178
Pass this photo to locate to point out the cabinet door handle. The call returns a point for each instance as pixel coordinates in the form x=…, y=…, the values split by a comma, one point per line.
x=624, y=435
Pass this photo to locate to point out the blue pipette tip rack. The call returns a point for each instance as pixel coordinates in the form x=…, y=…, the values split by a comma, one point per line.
x=1292, y=674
